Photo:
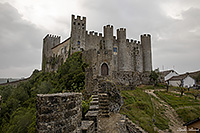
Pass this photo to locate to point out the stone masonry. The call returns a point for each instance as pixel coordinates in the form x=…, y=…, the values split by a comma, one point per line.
x=59, y=113
x=105, y=53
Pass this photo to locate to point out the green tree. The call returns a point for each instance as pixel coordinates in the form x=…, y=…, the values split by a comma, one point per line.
x=195, y=93
x=154, y=77
x=181, y=89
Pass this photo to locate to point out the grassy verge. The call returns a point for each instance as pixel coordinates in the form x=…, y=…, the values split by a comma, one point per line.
x=186, y=107
x=140, y=109
x=175, y=100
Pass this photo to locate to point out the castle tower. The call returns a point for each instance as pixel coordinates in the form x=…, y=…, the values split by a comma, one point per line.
x=108, y=36
x=123, y=56
x=49, y=42
x=138, y=57
x=146, y=48
x=78, y=33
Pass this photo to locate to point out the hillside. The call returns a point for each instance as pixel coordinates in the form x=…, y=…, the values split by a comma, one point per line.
x=4, y=80
x=155, y=109
x=18, y=112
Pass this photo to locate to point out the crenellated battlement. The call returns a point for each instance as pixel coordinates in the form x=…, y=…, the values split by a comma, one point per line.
x=108, y=26
x=93, y=33
x=121, y=29
x=78, y=18
x=145, y=35
x=121, y=33
x=48, y=36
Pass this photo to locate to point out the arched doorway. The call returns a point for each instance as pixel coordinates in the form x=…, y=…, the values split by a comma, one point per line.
x=104, y=69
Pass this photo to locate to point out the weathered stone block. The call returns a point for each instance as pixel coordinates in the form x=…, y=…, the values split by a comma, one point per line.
x=58, y=112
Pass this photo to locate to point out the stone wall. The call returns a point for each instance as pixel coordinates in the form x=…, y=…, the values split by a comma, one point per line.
x=129, y=78
x=58, y=112
x=133, y=128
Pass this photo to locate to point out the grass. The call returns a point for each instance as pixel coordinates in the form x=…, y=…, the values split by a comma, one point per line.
x=139, y=108
x=175, y=100
x=188, y=114
x=186, y=106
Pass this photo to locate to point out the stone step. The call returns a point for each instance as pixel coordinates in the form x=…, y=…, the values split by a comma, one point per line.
x=95, y=99
x=94, y=96
x=103, y=101
x=103, y=94
x=104, y=108
x=94, y=107
x=90, y=114
x=94, y=102
x=103, y=104
x=105, y=115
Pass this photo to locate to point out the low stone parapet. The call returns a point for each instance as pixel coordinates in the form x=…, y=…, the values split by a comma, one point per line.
x=59, y=112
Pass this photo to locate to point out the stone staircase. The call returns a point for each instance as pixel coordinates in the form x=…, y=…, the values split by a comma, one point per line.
x=99, y=107
x=93, y=113
x=103, y=105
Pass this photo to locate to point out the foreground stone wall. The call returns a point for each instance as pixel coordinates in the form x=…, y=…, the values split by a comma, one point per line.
x=58, y=112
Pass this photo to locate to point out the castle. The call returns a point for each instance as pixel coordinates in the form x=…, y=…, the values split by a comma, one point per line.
x=106, y=54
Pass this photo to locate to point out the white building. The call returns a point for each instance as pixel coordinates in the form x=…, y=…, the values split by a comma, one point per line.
x=184, y=79
x=168, y=74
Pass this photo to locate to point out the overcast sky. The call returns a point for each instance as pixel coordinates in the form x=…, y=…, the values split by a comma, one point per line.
x=174, y=26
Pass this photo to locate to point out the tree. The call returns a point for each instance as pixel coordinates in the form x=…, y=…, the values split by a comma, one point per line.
x=181, y=88
x=154, y=77
x=195, y=93
x=167, y=85
x=197, y=78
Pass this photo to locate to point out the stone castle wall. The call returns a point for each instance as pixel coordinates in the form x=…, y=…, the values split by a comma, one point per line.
x=58, y=112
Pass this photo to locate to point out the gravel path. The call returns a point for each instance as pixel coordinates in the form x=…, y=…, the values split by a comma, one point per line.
x=175, y=123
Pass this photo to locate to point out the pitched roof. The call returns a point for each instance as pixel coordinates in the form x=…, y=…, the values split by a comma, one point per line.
x=165, y=73
x=191, y=122
x=61, y=43
x=180, y=77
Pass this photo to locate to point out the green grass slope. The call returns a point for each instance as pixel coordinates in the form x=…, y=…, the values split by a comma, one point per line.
x=140, y=108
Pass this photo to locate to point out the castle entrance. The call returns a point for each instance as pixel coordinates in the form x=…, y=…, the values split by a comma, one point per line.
x=104, y=69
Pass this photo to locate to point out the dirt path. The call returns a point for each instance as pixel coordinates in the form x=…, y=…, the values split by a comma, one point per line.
x=175, y=123
x=113, y=124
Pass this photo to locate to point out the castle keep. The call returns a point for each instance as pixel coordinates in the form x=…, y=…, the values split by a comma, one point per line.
x=107, y=55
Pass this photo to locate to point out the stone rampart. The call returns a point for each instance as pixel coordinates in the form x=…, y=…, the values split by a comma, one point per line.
x=129, y=78
x=59, y=112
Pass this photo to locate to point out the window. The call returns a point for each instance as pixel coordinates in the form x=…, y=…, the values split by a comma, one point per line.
x=74, y=23
x=78, y=23
x=78, y=43
x=115, y=50
x=65, y=49
x=62, y=50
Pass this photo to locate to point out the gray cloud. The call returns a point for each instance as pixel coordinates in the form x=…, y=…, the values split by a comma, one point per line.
x=175, y=42
x=20, y=43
